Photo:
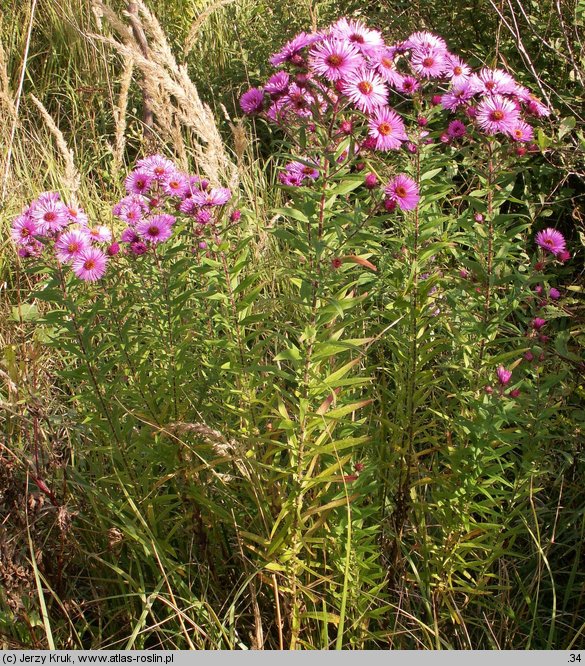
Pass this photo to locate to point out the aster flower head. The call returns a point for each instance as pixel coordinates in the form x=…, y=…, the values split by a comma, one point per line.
x=99, y=234
x=522, y=132
x=131, y=213
x=23, y=230
x=423, y=39
x=366, y=90
x=50, y=215
x=291, y=179
x=495, y=82
x=291, y=51
x=70, y=244
x=138, y=182
x=538, y=323
x=457, y=70
x=306, y=170
x=408, y=86
x=129, y=235
x=252, y=101
x=138, y=247
x=156, y=229
x=404, y=191
x=335, y=59
x=203, y=216
x=554, y=293
x=45, y=197
x=90, y=264
x=77, y=215
x=458, y=94
x=216, y=196
x=382, y=60
x=503, y=375
x=387, y=128
x=298, y=100
x=456, y=129
x=536, y=108
x=429, y=62
x=497, y=114
x=176, y=185
x=356, y=32
x=277, y=83
x=551, y=241
x=157, y=167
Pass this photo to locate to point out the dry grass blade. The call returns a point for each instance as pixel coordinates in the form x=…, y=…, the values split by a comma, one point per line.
x=72, y=178
x=173, y=96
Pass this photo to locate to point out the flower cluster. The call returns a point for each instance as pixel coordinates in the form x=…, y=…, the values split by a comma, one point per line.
x=349, y=68
x=157, y=192
x=50, y=223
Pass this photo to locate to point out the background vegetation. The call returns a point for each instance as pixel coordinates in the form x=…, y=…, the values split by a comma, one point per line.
x=134, y=517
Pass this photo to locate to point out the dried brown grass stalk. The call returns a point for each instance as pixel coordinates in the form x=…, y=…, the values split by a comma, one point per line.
x=72, y=178
x=120, y=112
x=173, y=96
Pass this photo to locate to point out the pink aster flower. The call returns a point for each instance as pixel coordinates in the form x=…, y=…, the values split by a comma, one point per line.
x=138, y=247
x=298, y=100
x=291, y=51
x=252, y=101
x=457, y=70
x=424, y=39
x=551, y=240
x=45, y=197
x=23, y=230
x=404, y=191
x=495, y=82
x=216, y=196
x=409, y=85
x=538, y=323
x=99, y=234
x=429, y=62
x=458, y=94
x=157, y=167
x=131, y=213
x=294, y=179
x=503, y=375
x=335, y=59
x=50, y=215
x=138, y=182
x=90, y=264
x=129, y=235
x=308, y=170
x=382, y=60
x=387, y=128
x=554, y=294
x=366, y=90
x=157, y=229
x=456, y=129
x=522, y=131
x=497, y=114
x=77, y=215
x=536, y=108
x=356, y=32
x=176, y=185
x=70, y=244
x=203, y=216
x=277, y=83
